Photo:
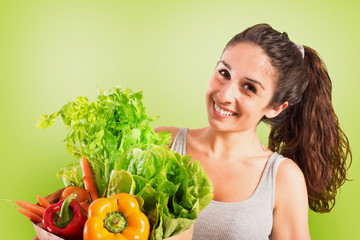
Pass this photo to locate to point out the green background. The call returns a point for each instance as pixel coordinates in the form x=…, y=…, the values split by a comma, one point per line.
x=53, y=51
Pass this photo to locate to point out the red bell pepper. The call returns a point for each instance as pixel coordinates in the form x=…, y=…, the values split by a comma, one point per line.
x=65, y=219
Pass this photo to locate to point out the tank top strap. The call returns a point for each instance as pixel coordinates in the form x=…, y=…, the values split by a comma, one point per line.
x=179, y=144
x=268, y=179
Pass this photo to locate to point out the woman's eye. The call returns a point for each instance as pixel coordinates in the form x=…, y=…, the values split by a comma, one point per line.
x=225, y=73
x=250, y=88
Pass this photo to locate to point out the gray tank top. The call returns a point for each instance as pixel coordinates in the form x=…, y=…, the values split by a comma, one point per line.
x=248, y=219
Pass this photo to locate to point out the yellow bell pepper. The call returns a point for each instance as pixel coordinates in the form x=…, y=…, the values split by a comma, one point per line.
x=117, y=217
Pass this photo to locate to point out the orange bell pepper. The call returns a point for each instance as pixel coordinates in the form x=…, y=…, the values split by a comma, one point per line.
x=117, y=217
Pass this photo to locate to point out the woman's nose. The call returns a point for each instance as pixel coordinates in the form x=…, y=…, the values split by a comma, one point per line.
x=229, y=92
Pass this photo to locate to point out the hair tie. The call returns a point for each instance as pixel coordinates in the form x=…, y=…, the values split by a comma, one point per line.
x=301, y=49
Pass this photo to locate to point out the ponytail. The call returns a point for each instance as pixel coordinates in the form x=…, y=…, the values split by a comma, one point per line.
x=309, y=134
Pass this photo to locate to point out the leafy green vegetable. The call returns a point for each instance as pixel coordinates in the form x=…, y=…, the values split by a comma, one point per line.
x=103, y=130
x=120, y=181
x=71, y=175
x=174, y=191
x=126, y=155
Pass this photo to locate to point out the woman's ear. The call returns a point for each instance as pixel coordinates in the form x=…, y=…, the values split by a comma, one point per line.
x=273, y=112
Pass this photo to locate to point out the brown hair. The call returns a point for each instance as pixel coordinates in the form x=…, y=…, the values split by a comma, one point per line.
x=307, y=131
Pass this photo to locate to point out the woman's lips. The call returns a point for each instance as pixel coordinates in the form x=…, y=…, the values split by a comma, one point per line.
x=222, y=112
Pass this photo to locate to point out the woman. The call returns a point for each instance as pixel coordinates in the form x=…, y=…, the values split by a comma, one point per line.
x=258, y=193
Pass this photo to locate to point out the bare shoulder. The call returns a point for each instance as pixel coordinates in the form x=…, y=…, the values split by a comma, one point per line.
x=289, y=173
x=290, y=182
x=172, y=130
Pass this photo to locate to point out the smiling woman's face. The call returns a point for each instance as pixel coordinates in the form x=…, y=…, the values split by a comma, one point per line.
x=240, y=89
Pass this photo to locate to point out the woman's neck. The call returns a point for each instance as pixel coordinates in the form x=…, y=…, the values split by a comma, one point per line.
x=231, y=145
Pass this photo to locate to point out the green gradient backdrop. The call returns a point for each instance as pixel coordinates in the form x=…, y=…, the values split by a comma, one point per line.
x=53, y=51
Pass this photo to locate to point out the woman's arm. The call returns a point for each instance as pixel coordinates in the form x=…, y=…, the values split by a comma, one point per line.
x=291, y=204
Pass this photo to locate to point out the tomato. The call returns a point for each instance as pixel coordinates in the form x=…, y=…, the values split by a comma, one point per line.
x=85, y=206
x=81, y=194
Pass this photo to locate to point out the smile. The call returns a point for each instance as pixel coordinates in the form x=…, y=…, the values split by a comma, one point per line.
x=222, y=111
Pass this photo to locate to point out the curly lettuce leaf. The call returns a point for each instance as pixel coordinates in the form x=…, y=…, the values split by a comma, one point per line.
x=103, y=129
x=71, y=175
x=120, y=181
x=126, y=155
x=174, y=189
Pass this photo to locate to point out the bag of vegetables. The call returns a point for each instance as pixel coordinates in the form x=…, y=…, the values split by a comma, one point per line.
x=121, y=155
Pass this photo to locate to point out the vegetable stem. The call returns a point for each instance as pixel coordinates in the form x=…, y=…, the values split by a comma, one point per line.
x=65, y=215
x=115, y=222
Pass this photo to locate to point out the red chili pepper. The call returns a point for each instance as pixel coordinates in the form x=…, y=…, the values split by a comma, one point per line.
x=65, y=219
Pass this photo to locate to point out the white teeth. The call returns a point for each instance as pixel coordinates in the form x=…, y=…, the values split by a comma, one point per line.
x=223, y=112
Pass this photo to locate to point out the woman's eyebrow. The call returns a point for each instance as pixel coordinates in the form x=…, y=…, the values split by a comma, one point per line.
x=249, y=79
x=225, y=64
x=255, y=81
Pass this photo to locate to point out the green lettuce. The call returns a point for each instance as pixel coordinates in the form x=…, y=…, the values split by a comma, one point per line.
x=174, y=190
x=126, y=155
x=102, y=130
